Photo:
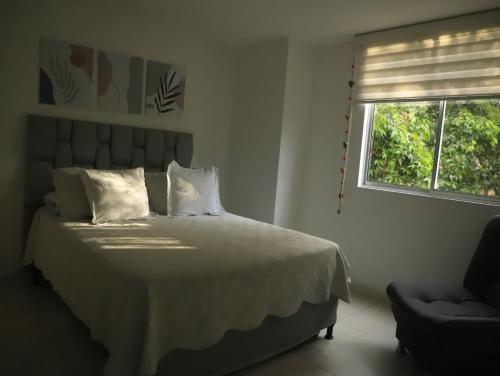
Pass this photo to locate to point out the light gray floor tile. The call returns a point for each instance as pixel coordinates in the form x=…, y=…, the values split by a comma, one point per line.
x=355, y=353
x=377, y=321
x=287, y=364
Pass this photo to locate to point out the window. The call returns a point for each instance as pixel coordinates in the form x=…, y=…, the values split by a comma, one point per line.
x=432, y=98
x=449, y=146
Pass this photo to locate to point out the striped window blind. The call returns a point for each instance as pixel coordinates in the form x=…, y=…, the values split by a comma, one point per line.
x=465, y=63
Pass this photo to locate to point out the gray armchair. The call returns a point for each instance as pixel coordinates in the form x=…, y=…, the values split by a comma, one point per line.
x=455, y=330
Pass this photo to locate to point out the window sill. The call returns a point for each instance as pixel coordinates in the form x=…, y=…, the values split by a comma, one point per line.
x=488, y=201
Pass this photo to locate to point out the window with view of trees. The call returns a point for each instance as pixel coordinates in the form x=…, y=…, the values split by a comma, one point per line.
x=449, y=146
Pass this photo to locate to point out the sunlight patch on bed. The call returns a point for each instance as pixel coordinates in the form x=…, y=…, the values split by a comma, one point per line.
x=146, y=246
x=109, y=226
x=130, y=242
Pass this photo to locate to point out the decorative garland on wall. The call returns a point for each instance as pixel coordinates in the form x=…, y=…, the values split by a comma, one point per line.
x=345, y=143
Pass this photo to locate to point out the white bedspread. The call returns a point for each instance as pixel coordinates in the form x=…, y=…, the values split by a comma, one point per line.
x=145, y=288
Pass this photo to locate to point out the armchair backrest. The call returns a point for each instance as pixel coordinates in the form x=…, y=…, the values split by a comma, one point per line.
x=483, y=275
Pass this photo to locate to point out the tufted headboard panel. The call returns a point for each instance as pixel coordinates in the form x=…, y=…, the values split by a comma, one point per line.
x=56, y=142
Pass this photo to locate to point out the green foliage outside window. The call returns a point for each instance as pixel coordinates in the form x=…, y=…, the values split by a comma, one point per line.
x=470, y=153
x=404, y=139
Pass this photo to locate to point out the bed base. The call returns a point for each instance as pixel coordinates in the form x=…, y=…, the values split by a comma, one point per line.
x=329, y=333
x=238, y=350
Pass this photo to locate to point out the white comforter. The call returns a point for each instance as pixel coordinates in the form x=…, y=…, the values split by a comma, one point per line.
x=145, y=288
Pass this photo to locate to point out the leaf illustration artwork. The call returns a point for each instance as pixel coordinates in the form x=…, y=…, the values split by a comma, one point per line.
x=166, y=93
x=165, y=89
x=66, y=72
x=64, y=79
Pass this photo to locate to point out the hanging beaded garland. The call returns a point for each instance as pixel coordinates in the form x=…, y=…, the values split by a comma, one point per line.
x=345, y=143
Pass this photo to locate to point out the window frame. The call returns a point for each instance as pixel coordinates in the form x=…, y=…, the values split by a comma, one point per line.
x=367, y=143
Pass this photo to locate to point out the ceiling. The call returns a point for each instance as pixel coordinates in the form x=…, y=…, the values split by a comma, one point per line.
x=237, y=22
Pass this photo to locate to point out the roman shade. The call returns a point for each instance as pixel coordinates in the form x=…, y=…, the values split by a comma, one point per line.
x=458, y=57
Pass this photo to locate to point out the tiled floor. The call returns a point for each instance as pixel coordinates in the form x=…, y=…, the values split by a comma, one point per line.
x=364, y=345
x=39, y=336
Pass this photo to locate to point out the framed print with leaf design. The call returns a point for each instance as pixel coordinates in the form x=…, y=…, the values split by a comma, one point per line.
x=165, y=87
x=66, y=72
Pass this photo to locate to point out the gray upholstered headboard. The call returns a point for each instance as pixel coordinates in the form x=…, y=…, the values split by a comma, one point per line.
x=55, y=142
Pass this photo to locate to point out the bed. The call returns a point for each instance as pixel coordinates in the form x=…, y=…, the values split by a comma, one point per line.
x=203, y=295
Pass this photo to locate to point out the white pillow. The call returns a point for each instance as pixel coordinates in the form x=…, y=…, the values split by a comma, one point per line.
x=157, y=186
x=116, y=195
x=70, y=193
x=193, y=191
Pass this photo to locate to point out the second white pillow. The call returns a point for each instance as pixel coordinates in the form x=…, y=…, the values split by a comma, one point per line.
x=193, y=191
x=116, y=195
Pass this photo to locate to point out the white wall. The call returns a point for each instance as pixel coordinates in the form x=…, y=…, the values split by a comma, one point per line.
x=272, y=93
x=386, y=236
x=208, y=91
x=257, y=113
x=296, y=105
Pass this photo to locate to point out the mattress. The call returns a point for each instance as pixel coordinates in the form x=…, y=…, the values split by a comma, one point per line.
x=147, y=287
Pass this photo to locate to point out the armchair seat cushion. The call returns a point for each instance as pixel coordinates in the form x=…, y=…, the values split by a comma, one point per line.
x=450, y=312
